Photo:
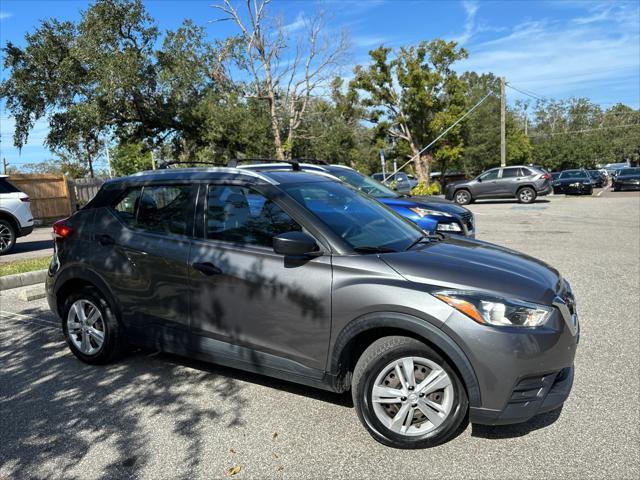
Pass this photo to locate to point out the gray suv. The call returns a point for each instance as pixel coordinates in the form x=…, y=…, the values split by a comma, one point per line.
x=301, y=277
x=522, y=182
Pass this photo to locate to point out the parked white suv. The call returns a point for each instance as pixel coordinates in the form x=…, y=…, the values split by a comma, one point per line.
x=16, y=219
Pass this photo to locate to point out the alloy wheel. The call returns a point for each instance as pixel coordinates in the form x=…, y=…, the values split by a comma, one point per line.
x=462, y=197
x=526, y=196
x=6, y=237
x=85, y=327
x=412, y=396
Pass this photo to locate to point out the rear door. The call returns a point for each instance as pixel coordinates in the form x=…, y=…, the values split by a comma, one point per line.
x=142, y=249
x=509, y=181
x=245, y=294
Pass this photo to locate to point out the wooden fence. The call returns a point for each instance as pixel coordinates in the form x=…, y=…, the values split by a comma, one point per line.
x=49, y=194
x=84, y=189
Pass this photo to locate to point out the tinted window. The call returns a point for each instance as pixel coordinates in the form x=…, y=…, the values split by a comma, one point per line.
x=361, y=221
x=574, y=174
x=364, y=183
x=162, y=209
x=511, y=173
x=630, y=171
x=242, y=215
x=490, y=175
x=126, y=207
x=7, y=187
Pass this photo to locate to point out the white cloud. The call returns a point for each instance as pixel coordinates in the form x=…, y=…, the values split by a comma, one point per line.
x=298, y=24
x=4, y=15
x=564, y=58
x=471, y=9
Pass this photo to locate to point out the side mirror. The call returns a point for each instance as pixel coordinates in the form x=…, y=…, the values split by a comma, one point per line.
x=479, y=179
x=296, y=244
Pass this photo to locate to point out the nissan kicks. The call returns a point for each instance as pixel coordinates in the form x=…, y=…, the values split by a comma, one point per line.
x=302, y=277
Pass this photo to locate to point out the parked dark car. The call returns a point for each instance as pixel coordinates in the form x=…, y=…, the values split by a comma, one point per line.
x=432, y=214
x=555, y=175
x=573, y=182
x=522, y=182
x=400, y=181
x=627, y=179
x=597, y=178
x=301, y=277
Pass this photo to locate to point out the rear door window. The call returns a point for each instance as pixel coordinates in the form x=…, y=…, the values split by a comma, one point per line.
x=511, y=173
x=156, y=208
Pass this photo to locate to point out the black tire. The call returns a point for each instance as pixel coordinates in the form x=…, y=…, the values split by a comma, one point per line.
x=462, y=197
x=526, y=195
x=114, y=344
x=616, y=188
x=7, y=236
x=372, y=362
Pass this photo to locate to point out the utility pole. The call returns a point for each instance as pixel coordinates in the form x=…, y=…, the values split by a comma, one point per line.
x=153, y=161
x=503, y=126
x=109, y=161
x=384, y=172
x=4, y=165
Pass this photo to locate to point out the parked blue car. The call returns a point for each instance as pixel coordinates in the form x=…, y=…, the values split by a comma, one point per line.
x=432, y=214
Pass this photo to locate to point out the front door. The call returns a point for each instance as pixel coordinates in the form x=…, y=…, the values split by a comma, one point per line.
x=486, y=185
x=245, y=294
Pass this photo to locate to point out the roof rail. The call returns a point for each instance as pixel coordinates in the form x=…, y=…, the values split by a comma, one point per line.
x=195, y=162
x=316, y=161
x=295, y=165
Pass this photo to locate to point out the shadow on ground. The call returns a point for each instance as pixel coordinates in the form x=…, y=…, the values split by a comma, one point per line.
x=55, y=409
x=517, y=430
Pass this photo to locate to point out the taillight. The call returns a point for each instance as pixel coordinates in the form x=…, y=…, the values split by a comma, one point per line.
x=25, y=199
x=62, y=230
x=546, y=176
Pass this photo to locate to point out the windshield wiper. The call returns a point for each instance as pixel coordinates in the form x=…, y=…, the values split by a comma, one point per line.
x=372, y=249
x=436, y=237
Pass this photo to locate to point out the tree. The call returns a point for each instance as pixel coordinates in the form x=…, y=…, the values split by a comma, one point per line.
x=129, y=158
x=413, y=97
x=285, y=74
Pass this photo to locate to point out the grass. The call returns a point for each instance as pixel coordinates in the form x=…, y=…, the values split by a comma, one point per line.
x=21, y=266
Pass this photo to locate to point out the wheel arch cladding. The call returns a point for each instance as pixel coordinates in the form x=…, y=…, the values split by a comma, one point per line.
x=73, y=279
x=11, y=219
x=361, y=332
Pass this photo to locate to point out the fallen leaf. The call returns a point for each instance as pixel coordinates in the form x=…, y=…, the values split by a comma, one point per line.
x=232, y=471
x=275, y=435
x=275, y=455
x=232, y=450
x=280, y=467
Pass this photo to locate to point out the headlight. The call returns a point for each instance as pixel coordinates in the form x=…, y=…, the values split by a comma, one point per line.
x=423, y=212
x=492, y=310
x=586, y=183
x=448, y=227
x=576, y=184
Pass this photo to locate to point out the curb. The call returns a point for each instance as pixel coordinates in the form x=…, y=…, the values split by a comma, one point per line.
x=22, y=279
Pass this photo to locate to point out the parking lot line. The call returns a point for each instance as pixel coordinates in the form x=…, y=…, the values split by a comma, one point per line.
x=27, y=318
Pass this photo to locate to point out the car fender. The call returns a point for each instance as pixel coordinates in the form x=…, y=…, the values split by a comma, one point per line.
x=84, y=273
x=417, y=326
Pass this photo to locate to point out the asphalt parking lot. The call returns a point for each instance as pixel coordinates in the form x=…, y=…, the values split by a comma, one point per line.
x=159, y=416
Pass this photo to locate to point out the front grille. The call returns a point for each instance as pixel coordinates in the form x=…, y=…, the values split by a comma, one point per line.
x=467, y=219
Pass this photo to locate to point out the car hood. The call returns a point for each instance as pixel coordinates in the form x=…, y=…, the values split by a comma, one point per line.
x=465, y=264
x=432, y=203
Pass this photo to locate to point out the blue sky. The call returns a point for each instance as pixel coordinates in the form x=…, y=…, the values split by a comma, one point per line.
x=554, y=49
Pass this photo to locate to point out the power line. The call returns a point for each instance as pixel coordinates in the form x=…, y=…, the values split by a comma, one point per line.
x=529, y=93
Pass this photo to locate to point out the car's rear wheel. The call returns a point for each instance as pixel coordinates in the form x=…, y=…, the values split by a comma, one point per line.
x=526, y=195
x=462, y=197
x=93, y=333
x=406, y=395
x=7, y=237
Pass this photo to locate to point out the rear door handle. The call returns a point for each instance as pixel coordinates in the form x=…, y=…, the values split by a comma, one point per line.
x=105, y=240
x=207, y=268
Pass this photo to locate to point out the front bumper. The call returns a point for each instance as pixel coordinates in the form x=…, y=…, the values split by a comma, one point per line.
x=628, y=185
x=572, y=189
x=520, y=373
x=530, y=397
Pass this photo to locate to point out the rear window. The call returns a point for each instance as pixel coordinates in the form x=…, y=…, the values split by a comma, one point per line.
x=7, y=187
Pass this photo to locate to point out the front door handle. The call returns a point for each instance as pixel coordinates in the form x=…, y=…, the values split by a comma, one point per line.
x=105, y=240
x=207, y=268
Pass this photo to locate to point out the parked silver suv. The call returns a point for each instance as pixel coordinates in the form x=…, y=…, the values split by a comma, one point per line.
x=519, y=181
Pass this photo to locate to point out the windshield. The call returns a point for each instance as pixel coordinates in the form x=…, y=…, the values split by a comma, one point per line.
x=363, y=183
x=630, y=171
x=359, y=220
x=574, y=174
x=594, y=173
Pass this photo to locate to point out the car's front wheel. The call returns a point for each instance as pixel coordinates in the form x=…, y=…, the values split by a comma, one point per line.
x=406, y=395
x=93, y=333
x=462, y=197
x=7, y=237
x=526, y=195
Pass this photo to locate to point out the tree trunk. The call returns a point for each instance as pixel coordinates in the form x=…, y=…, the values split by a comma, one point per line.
x=90, y=162
x=275, y=125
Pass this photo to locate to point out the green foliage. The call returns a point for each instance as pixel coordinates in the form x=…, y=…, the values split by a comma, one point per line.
x=413, y=96
x=129, y=158
x=423, y=189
